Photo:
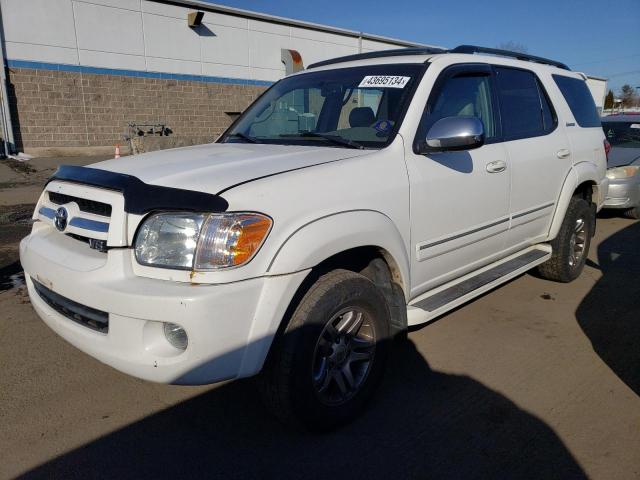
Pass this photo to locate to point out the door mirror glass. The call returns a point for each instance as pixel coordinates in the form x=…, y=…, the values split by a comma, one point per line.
x=454, y=133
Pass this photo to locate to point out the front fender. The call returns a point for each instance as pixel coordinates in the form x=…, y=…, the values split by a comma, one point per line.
x=324, y=237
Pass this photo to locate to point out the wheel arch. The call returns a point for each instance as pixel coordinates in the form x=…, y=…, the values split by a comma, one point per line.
x=334, y=240
x=369, y=244
x=583, y=180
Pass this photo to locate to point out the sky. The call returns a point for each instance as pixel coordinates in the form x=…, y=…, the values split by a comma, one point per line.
x=598, y=37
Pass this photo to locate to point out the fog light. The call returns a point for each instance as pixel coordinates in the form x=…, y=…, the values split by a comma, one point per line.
x=176, y=336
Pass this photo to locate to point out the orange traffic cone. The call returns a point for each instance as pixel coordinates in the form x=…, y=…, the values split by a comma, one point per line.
x=117, y=151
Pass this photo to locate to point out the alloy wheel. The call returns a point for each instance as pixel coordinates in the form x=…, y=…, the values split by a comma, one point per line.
x=578, y=242
x=343, y=356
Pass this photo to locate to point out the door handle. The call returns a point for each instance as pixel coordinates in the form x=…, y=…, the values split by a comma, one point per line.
x=496, y=166
x=563, y=153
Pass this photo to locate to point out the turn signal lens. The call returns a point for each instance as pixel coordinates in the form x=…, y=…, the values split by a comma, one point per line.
x=229, y=240
x=250, y=237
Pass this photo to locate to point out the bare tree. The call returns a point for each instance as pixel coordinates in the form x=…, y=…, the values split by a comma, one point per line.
x=513, y=46
x=628, y=96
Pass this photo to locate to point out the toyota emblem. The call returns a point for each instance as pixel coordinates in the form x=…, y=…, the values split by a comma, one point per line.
x=60, y=220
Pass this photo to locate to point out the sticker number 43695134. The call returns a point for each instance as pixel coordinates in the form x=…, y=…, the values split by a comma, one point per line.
x=383, y=81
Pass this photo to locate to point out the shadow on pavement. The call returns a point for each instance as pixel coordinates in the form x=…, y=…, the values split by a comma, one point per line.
x=422, y=424
x=610, y=313
x=11, y=276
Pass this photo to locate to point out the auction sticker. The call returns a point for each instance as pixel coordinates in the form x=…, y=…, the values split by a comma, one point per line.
x=383, y=81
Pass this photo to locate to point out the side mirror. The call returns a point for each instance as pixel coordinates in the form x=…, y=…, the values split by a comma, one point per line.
x=453, y=133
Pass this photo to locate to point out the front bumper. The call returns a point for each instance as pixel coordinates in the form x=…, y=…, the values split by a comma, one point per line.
x=623, y=193
x=230, y=326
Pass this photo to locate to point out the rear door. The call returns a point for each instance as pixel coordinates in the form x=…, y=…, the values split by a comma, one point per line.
x=538, y=150
x=585, y=129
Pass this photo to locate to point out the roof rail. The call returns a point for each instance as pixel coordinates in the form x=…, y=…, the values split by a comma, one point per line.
x=507, y=53
x=383, y=53
x=434, y=50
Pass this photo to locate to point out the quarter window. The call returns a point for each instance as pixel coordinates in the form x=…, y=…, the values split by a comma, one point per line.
x=580, y=100
x=524, y=108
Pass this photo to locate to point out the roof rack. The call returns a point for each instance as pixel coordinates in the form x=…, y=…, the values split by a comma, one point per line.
x=507, y=53
x=380, y=54
x=433, y=50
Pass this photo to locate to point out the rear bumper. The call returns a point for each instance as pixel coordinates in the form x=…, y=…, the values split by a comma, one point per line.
x=230, y=326
x=623, y=193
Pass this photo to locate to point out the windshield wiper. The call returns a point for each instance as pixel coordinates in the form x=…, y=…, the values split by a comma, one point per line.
x=335, y=139
x=244, y=137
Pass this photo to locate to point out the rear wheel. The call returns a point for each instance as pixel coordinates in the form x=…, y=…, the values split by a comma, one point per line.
x=571, y=245
x=331, y=356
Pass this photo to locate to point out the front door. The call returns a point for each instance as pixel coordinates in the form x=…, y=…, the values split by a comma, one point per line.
x=459, y=200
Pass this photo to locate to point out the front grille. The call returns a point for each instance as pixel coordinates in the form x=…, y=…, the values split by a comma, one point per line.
x=88, y=206
x=89, y=317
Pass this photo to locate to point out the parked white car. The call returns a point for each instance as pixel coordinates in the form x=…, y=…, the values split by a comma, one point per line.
x=351, y=201
x=623, y=134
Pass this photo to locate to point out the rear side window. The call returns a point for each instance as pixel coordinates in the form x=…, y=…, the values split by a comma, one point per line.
x=580, y=100
x=524, y=108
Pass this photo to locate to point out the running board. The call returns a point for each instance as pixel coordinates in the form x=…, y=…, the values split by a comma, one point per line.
x=438, y=301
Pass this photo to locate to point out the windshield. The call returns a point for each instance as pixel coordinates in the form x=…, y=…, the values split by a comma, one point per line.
x=358, y=107
x=622, y=134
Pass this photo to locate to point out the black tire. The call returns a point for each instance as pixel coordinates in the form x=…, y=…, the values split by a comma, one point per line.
x=563, y=266
x=289, y=382
x=633, y=213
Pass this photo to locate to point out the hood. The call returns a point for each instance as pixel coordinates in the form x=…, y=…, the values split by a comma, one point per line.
x=619, y=156
x=218, y=166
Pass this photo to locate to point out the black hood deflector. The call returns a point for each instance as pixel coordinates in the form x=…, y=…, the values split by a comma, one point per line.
x=140, y=197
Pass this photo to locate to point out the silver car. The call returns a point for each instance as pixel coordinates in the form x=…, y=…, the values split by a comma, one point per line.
x=623, y=133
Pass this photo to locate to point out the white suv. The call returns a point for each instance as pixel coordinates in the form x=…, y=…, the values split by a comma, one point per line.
x=351, y=201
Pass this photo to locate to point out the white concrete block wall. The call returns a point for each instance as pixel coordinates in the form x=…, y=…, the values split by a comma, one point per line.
x=372, y=46
x=39, y=30
x=598, y=88
x=108, y=29
x=153, y=36
x=226, y=45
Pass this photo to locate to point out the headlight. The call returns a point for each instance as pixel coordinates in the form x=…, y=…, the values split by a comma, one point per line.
x=200, y=241
x=622, y=172
x=169, y=240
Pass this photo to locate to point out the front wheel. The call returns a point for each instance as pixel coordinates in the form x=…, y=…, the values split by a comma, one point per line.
x=571, y=245
x=331, y=356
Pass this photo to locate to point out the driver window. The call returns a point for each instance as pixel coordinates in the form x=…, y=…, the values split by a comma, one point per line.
x=464, y=95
